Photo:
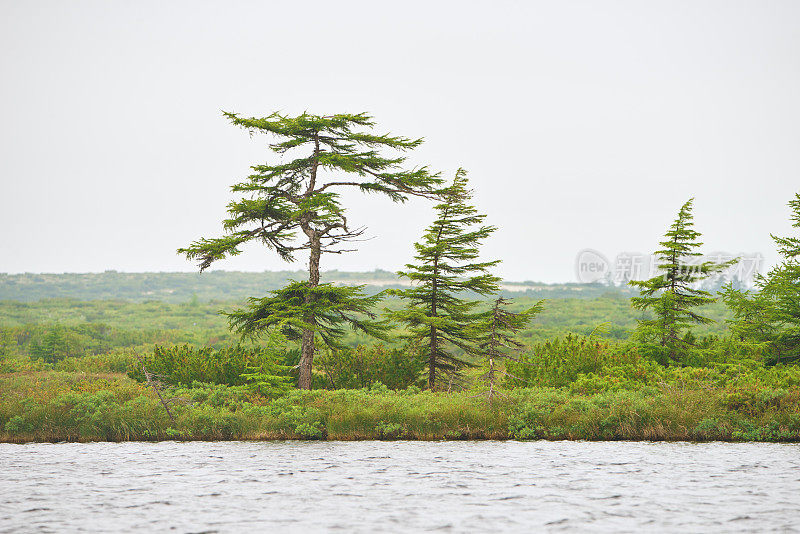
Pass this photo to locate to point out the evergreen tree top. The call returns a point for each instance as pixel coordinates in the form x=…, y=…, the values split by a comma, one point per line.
x=671, y=295
x=681, y=238
x=789, y=247
x=334, y=131
x=338, y=148
x=680, y=245
x=449, y=247
x=300, y=196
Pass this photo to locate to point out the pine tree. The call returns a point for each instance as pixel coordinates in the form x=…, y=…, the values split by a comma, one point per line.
x=300, y=196
x=672, y=295
x=438, y=315
x=497, y=338
x=770, y=316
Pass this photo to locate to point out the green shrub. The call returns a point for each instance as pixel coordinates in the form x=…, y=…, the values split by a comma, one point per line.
x=390, y=430
x=17, y=424
x=232, y=366
x=559, y=362
x=362, y=366
x=311, y=430
x=112, y=362
x=531, y=416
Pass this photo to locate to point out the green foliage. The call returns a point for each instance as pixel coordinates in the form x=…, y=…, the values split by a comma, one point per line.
x=497, y=327
x=529, y=420
x=56, y=342
x=55, y=345
x=585, y=366
x=61, y=361
x=672, y=296
x=287, y=310
x=290, y=197
x=270, y=378
x=39, y=338
x=104, y=326
x=114, y=361
x=754, y=317
x=496, y=335
x=438, y=317
x=363, y=366
x=725, y=403
x=559, y=362
x=300, y=196
x=232, y=366
x=770, y=316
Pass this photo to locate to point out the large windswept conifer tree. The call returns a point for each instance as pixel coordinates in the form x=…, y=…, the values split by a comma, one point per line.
x=672, y=295
x=439, y=315
x=300, y=195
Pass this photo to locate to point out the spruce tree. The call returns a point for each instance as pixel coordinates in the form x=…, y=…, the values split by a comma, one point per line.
x=672, y=295
x=439, y=315
x=497, y=341
x=301, y=196
x=783, y=287
x=769, y=317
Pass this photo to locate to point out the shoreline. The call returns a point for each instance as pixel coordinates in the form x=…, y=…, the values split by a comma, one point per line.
x=14, y=441
x=53, y=406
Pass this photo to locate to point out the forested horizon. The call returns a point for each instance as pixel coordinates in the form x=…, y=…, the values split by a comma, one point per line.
x=220, y=285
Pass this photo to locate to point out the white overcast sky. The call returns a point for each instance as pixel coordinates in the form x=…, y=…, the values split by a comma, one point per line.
x=582, y=124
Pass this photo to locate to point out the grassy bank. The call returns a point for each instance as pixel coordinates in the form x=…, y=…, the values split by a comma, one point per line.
x=78, y=406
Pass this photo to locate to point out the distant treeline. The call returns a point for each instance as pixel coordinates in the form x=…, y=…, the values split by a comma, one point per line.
x=229, y=285
x=56, y=329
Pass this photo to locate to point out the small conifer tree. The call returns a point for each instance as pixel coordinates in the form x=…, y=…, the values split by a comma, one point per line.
x=497, y=338
x=672, y=295
x=439, y=316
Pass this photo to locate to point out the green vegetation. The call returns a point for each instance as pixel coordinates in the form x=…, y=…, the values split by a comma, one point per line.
x=673, y=294
x=184, y=365
x=438, y=317
x=229, y=286
x=769, y=318
x=569, y=387
x=497, y=329
x=303, y=195
x=700, y=405
x=414, y=362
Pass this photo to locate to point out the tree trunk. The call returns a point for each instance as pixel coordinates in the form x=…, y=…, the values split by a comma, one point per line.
x=490, y=375
x=307, y=347
x=432, y=360
x=434, y=340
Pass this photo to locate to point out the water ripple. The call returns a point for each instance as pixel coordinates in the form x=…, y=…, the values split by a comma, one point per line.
x=398, y=487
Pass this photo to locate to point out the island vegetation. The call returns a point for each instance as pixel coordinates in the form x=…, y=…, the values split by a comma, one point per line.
x=440, y=351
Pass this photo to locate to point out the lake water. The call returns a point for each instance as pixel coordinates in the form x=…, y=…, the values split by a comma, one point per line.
x=399, y=487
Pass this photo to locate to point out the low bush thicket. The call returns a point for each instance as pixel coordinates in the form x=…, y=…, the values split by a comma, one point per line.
x=58, y=406
x=364, y=365
x=559, y=362
x=184, y=364
x=570, y=388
